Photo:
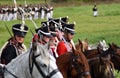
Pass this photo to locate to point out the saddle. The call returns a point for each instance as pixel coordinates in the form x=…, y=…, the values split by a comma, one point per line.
x=1, y=71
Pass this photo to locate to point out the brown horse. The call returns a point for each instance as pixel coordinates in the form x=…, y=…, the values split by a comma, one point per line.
x=88, y=53
x=113, y=50
x=101, y=67
x=73, y=65
x=80, y=45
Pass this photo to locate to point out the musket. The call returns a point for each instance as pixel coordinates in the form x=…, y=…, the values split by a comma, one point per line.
x=34, y=24
x=45, y=1
x=32, y=32
x=15, y=3
x=25, y=3
x=32, y=19
x=8, y=30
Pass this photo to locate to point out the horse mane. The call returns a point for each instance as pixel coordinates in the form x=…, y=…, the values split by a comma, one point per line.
x=84, y=60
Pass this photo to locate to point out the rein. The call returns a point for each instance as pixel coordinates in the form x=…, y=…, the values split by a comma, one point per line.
x=74, y=66
x=10, y=72
x=39, y=68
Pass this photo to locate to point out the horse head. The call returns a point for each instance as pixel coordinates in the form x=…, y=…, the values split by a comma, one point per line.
x=85, y=44
x=79, y=65
x=101, y=67
x=45, y=63
x=106, y=67
x=114, y=50
x=82, y=45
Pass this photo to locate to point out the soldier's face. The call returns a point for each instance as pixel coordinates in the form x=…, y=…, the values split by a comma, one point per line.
x=19, y=39
x=46, y=39
x=70, y=36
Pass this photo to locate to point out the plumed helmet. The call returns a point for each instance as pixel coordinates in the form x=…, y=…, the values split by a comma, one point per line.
x=69, y=28
x=20, y=30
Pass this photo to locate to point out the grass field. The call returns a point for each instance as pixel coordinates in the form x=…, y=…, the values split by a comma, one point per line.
x=105, y=26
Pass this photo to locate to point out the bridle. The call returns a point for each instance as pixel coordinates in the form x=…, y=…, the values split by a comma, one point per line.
x=74, y=64
x=31, y=65
x=109, y=65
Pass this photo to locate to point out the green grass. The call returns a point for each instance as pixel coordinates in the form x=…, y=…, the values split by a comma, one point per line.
x=105, y=26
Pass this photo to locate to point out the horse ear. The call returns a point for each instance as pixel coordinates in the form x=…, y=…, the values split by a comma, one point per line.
x=73, y=50
x=86, y=40
x=80, y=42
x=109, y=44
x=114, y=45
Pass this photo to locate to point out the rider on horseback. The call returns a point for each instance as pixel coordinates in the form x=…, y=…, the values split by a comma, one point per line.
x=66, y=44
x=14, y=46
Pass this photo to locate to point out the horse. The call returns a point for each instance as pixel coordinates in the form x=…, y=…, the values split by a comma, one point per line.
x=88, y=53
x=35, y=63
x=73, y=65
x=101, y=44
x=95, y=63
x=101, y=67
x=113, y=50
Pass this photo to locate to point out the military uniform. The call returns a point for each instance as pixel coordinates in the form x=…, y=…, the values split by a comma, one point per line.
x=48, y=31
x=66, y=45
x=13, y=48
x=95, y=13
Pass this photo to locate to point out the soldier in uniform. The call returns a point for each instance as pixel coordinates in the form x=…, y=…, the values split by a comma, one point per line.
x=95, y=13
x=66, y=44
x=43, y=34
x=14, y=45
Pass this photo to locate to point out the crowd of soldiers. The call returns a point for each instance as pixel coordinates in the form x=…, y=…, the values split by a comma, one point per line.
x=57, y=32
x=25, y=12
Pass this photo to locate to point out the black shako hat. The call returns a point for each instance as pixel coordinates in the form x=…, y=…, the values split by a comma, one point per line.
x=44, y=30
x=70, y=28
x=64, y=19
x=45, y=23
x=20, y=30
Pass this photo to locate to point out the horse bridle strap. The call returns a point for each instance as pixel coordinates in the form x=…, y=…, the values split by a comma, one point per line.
x=85, y=73
x=10, y=72
x=81, y=73
x=41, y=72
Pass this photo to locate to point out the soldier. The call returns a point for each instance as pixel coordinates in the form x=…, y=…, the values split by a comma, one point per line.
x=54, y=39
x=43, y=34
x=42, y=9
x=95, y=13
x=14, y=45
x=66, y=44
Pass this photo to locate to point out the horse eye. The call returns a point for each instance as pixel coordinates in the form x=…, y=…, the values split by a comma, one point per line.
x=43, y=65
